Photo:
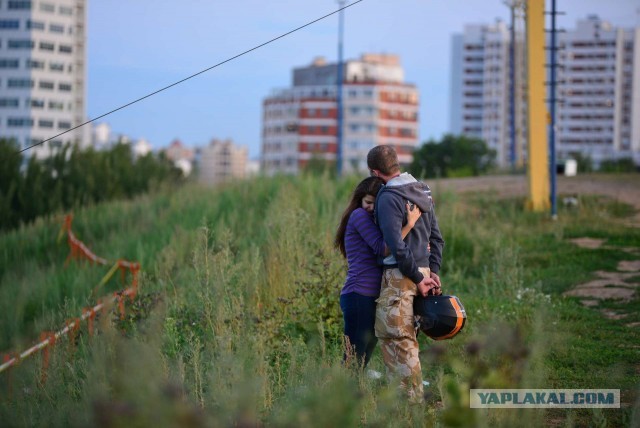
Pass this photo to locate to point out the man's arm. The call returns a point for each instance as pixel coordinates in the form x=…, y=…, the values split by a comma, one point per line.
x=390, y=215
x=437, y=243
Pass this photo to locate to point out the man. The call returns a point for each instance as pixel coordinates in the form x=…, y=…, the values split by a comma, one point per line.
x=411, y=268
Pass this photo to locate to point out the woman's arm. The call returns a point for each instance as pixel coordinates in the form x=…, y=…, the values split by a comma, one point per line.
x=363, y=223
x=412, y=218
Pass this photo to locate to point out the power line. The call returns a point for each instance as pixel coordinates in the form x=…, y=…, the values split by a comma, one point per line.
x=193, y=75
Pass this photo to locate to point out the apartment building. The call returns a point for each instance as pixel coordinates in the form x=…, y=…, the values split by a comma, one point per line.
x=222, y=161
x=599, y=90
x=300, y=123
x=598, y=112
x=480, y=88
x=42, y=72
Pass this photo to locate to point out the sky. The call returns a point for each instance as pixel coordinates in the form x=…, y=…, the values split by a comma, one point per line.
x=136, y=47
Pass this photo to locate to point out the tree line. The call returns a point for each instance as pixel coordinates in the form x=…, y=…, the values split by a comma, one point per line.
x=453, y=156
x=73, y=177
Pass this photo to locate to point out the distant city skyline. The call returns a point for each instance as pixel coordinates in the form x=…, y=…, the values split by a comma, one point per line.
x=135, y=48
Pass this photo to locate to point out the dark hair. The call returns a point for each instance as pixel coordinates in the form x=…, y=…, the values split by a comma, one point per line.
x=383, y=158
x=368, y=186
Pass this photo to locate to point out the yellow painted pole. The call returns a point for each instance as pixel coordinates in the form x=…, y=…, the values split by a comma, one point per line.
x=538, y=168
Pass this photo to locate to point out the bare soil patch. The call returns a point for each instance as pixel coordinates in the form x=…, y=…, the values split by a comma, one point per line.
x=608, y=285
x=613, y=315
x=629, y=266
x=590, y=243
x=619, y=187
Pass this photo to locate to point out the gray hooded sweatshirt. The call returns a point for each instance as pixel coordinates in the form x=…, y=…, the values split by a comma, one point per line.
x=390, y=213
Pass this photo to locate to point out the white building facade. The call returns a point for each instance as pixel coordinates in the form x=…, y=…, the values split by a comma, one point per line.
x=43, y=73
x=480, y=89
x=222, y=161
x=598, y=88
x=300, y=122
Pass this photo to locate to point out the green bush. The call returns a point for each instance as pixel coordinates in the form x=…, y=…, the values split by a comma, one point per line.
x=619, y=166
x=72, y=178
x=453, y=156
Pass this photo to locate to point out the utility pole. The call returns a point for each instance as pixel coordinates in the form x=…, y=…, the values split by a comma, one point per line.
x=552, y=111
x=537, y=118
x=340, y=78
x=512, y=86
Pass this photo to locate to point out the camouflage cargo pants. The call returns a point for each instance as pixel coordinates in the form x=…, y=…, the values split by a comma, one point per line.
x=395, y=329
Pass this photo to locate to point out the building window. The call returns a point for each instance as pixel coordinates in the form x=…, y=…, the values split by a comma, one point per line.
x=55, y=105
x=47, y=7
x=44, y=123
x=35, y=103
x=64, y=125
x=19, y=122
x=56, y=28
x=20, y=83
x=291, y=127
x=8, y=102
x=20, y=44
x=65, y=49
x=19, y=5
x=8, y=63
x=31, y=63
x=56, y=66
x=45, y=84
x=9, y=24
x=65, y=10
x=65, y=87
x=46, y=46
x=35, y=25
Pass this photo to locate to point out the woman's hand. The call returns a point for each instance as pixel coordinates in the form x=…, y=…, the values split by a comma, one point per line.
x=413, y=214
x=412, y=217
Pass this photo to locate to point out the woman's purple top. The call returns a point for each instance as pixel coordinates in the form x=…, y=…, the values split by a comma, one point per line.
x=363, y=243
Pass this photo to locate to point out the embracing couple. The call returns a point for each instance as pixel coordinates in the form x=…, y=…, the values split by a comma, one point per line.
x=390, y=237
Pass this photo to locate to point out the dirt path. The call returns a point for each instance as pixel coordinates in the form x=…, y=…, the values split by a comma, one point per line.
x=624, y=187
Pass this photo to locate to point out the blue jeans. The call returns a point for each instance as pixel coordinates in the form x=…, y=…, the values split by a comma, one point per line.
x=359, y=314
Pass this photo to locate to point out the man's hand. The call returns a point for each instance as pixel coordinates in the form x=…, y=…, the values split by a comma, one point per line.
x=428, y=286
x=436, y=278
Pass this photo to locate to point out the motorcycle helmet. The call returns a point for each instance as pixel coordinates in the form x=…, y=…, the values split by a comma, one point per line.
x=439, y=317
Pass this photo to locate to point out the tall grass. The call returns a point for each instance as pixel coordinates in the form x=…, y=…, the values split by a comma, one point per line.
x=238, y=323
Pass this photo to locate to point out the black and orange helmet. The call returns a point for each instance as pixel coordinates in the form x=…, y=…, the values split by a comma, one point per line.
x=439, y=317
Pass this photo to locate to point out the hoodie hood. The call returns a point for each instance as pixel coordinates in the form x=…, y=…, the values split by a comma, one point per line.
x=406, y=186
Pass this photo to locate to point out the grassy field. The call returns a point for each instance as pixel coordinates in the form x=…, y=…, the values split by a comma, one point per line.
x=238, y=323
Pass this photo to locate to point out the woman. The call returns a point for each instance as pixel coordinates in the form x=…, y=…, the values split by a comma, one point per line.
x=360, y=242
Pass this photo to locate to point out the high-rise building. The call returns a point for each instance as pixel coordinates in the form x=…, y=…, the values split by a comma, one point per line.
x=222, y=161
x=480, y=105
x=599, y=91
x=598, y=88
x=42, y=72
x=300, y=122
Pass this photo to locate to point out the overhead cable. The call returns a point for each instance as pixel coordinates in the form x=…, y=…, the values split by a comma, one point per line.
x=192, y=76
